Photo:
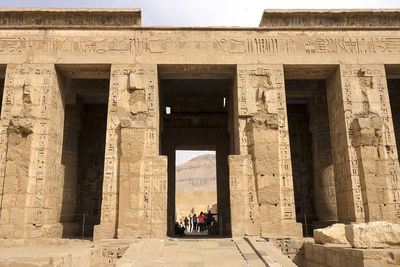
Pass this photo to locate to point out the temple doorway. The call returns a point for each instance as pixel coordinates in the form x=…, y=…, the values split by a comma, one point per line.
x=196, y=211
x=85, y=90
x=196, y=113
x=310, y=146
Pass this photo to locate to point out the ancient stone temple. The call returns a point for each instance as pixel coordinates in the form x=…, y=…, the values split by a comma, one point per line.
x=303, y=113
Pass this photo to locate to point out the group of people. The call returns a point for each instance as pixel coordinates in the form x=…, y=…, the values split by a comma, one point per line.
x=201, y=223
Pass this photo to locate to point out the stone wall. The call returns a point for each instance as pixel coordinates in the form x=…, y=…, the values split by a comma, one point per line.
x=257, y=191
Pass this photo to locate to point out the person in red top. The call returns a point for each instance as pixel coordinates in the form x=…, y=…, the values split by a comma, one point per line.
x=201, y=221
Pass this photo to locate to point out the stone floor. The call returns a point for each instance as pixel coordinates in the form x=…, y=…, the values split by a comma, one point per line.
x=48, y=252
x=194, y=251
x=190, y=253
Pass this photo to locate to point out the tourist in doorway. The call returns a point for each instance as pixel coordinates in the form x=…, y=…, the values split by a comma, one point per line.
x=210, y=218
x=201, y=221
x=179, y=230
x=186, y=221
x=194, y=223
x=205, y=222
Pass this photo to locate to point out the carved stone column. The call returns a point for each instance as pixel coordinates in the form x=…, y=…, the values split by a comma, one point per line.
x=324, y=183
x=32, y=136
x=263, y=135
x=135, y=181
x=364, y=147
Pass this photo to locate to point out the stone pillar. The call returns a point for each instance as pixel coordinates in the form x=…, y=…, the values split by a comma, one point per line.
x=223, y=196
x=135, y=182
x=32, y=136
x=263, y=135
x=364, y=148
x=324, y=183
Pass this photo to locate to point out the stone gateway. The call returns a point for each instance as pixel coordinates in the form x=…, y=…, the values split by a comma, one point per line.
x=303, y=113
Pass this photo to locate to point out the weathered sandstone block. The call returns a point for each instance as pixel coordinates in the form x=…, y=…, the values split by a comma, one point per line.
x=373, y=234
x=334, y=234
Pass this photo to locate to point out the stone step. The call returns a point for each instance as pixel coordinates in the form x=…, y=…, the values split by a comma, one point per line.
x=248, y=253
x=142, y=253
x=270, y=255
x=183, y=253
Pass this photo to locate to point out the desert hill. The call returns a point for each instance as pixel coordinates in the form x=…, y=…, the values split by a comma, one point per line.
x=196, y=186
x=198, y=174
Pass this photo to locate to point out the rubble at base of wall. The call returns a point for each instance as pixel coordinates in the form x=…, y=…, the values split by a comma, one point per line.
x=361, y=235
x=334, y=234
x=364, y=244
x=373, y=235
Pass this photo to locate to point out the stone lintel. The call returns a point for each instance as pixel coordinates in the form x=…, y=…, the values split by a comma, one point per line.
x=81, y=18
x=323, y=19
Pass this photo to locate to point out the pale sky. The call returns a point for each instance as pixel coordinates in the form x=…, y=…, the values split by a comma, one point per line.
x=183, y=156
x=204, y=12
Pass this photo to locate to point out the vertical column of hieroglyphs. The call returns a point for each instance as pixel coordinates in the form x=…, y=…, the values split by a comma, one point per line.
x=8, y=197
x=133, y=115
x=109, y=204
x=263, y=134
x=347, y=180
x=288, y=214
x=148, y=199
x=34, y=112
x=243, y=198
x=244, y=210
x=153, y=171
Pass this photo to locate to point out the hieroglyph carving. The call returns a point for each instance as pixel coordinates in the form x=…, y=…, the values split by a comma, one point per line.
x=262, y=45
x=32, y=19
x=365, y=98
x=310, y=19
x=111, y=160
x=261, y=96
